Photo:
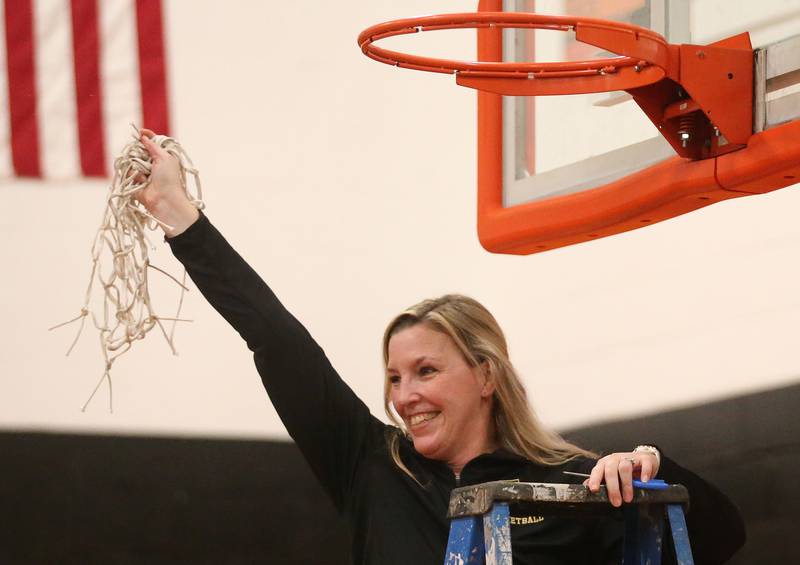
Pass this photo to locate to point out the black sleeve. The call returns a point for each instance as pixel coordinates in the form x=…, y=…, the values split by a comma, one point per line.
x=716, y=528
x=331, y=426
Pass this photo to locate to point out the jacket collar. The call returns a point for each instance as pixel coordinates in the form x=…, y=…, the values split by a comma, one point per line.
x=500, y=463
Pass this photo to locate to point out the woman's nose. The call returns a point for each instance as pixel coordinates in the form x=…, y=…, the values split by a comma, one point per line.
x=406, y=394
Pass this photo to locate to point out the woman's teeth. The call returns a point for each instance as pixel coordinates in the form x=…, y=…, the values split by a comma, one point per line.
x=419, y=418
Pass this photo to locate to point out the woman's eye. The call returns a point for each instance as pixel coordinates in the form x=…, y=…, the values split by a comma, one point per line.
x=426, y=370
x=394, y=379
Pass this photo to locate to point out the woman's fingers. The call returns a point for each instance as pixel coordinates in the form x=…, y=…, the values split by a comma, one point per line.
x=606, y=471
x=596, y=477
x=156, y=151
x=165, y=172
x=625, y=469
x=648, y=470
x=618, y=471
x=611, y=473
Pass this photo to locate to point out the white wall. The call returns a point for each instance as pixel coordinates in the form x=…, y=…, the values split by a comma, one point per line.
x=350, y=186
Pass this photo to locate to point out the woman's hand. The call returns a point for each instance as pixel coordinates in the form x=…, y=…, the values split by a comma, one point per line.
x=618, y=471
x=164, y=196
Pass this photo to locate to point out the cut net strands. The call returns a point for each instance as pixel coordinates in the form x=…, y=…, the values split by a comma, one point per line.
x=120, y=259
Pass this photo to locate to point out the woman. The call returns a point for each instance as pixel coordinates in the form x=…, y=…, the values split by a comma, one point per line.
x=461, y=413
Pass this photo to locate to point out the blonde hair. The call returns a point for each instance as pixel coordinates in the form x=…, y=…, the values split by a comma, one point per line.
x=478, y=336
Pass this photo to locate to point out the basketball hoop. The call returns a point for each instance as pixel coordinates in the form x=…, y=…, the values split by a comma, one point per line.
x=705, y=100
x=698, y=96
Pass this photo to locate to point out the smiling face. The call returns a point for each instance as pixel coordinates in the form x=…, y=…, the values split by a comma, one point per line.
x=445, y=403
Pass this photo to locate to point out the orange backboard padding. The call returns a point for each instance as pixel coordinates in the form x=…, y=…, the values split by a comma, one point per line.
x=671, y=188
x=770, y=161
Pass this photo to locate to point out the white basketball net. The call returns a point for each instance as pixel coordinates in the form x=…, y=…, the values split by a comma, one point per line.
x=120, y=261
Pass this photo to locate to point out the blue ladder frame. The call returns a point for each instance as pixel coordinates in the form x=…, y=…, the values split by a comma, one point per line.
x=480, y=529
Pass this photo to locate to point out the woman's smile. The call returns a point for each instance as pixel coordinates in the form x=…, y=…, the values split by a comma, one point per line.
x=417, y=420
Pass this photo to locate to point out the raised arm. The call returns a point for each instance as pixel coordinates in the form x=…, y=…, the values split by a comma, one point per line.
x=332, y=427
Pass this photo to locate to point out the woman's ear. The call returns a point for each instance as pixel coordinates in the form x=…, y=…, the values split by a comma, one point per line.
x=488, y=380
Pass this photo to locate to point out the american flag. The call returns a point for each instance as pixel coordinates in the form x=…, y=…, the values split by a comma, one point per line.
x=73, y=75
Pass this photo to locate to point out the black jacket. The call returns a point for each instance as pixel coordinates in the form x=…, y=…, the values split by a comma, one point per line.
x=392, y=518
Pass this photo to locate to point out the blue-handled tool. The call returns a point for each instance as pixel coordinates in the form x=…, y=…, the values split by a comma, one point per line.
x=652, y=484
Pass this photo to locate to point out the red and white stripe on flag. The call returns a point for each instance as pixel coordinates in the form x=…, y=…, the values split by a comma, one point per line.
x=73, y=75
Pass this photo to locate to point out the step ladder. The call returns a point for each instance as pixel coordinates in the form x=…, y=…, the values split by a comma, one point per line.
x=480, y=531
